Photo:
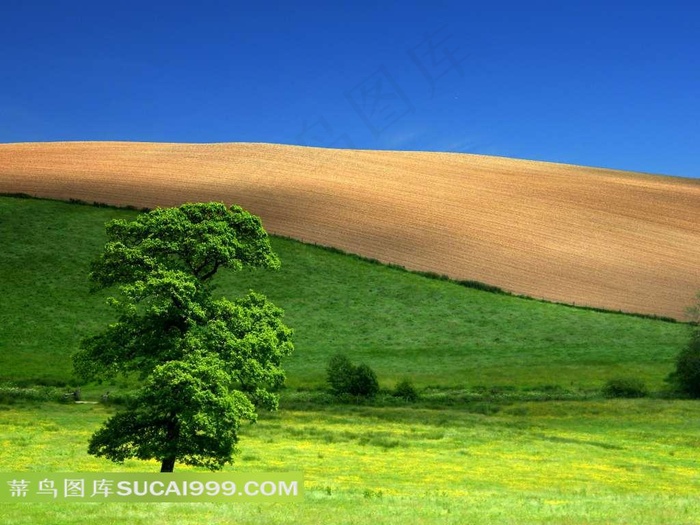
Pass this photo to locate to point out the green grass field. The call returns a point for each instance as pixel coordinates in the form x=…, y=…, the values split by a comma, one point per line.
x=592, y=462
x=443, y=460
x=435, y=332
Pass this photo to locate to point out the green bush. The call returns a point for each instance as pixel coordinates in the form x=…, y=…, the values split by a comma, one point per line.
x=686, y=377
x=405, y=390
x=364, y=382
x=340, y=372
x=344, y=378
x=625, y=387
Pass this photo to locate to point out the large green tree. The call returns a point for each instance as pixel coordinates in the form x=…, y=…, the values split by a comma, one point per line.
x=206, y=363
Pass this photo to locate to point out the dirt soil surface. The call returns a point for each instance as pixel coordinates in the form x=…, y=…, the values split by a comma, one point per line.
x=597, y=237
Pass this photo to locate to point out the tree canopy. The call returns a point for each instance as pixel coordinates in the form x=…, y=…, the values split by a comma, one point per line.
x=207, y=363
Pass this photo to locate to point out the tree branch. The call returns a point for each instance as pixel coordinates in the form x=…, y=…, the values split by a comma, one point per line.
x=211, y=273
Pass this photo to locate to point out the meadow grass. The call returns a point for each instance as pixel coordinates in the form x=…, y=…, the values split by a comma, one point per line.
x=592, y=462
x=471, y=451
x=434, y=332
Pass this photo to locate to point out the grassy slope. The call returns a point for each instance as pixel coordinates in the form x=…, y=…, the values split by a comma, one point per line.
x=401, y=324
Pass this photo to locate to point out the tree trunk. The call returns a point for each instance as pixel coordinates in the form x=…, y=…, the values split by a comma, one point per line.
x=173, y=433
x=167, y=465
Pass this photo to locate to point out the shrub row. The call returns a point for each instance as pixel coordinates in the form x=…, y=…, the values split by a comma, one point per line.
x=346, y=379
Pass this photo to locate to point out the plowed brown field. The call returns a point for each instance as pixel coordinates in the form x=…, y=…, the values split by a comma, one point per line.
x=588, y=236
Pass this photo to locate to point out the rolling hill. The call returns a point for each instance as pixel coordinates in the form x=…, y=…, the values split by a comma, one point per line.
x=402, y=324
x=604, y=238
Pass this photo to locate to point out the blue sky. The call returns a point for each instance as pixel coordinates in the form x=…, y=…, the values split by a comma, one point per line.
x=609, y=84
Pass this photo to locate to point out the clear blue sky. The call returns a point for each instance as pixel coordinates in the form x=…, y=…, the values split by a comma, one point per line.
x=609, y=84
